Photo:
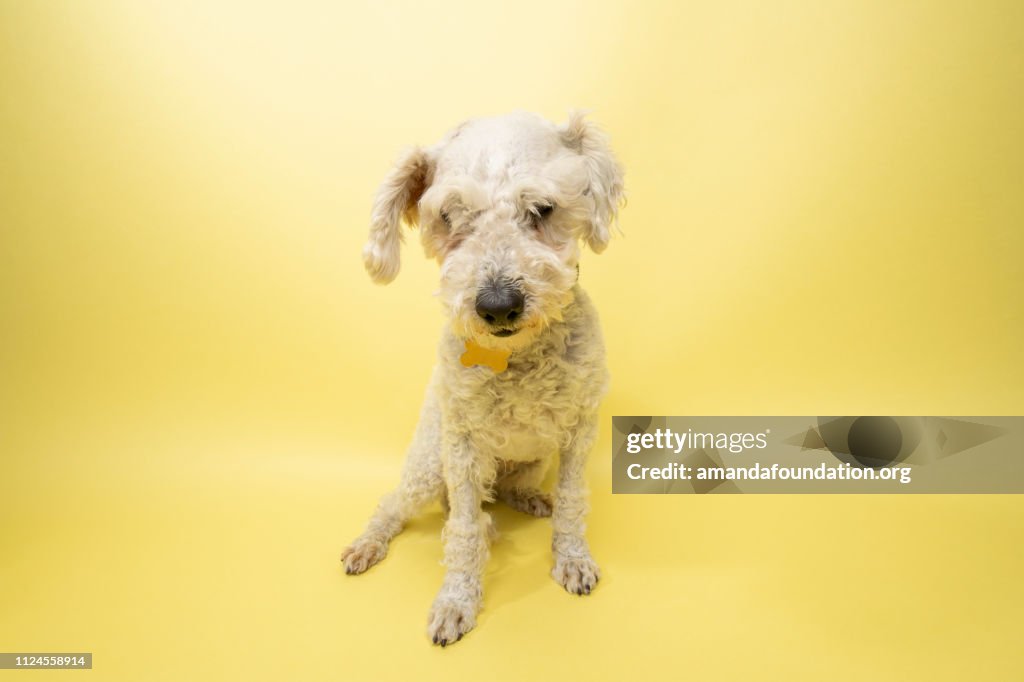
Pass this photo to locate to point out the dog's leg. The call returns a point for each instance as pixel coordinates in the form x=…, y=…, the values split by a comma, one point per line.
x=421, y=484
x=519, y=488
x=466, y=549
x=574, y=568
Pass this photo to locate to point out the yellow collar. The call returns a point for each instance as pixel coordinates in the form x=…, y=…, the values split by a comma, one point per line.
x=497, y=360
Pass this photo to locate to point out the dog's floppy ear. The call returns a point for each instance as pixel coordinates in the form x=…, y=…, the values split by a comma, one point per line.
x=605, y=176
x=395, y=202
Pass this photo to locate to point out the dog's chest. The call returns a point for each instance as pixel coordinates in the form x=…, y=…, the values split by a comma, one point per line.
x=516, y=413
x=538, y=402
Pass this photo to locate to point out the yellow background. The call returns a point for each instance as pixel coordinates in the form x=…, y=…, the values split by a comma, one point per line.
x=203, y=395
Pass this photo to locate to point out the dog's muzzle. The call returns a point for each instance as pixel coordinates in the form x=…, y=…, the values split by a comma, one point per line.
x=500, y=304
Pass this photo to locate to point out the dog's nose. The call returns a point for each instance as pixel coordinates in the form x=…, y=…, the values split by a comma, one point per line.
x=499, y=305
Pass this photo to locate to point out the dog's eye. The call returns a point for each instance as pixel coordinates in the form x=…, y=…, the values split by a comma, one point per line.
x=447, y=220
x=540, y=212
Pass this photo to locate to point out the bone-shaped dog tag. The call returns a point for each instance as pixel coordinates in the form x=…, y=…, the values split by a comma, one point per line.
x=497, y=360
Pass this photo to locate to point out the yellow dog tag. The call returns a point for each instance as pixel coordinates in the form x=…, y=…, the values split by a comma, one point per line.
x=497, y=360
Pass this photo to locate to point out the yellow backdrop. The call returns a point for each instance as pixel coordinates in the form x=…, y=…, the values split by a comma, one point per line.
x=203, y=395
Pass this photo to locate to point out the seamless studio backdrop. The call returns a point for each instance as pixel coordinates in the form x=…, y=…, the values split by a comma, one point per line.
x=202, y=395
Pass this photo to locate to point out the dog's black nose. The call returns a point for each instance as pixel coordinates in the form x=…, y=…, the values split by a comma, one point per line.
x=499, y=304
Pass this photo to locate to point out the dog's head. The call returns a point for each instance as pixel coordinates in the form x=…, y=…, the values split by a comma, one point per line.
x=502, y=204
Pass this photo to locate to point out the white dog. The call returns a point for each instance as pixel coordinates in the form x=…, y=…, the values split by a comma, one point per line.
x=501, y=204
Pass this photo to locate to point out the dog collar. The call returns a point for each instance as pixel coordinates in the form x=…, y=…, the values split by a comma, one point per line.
x=476, y=355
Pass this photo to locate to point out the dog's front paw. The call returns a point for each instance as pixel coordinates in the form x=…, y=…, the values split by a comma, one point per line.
x=363, y=554
x=450, y=619
x=578, y=575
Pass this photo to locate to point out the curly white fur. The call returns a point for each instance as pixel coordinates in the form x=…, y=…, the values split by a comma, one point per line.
x=504, y=199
